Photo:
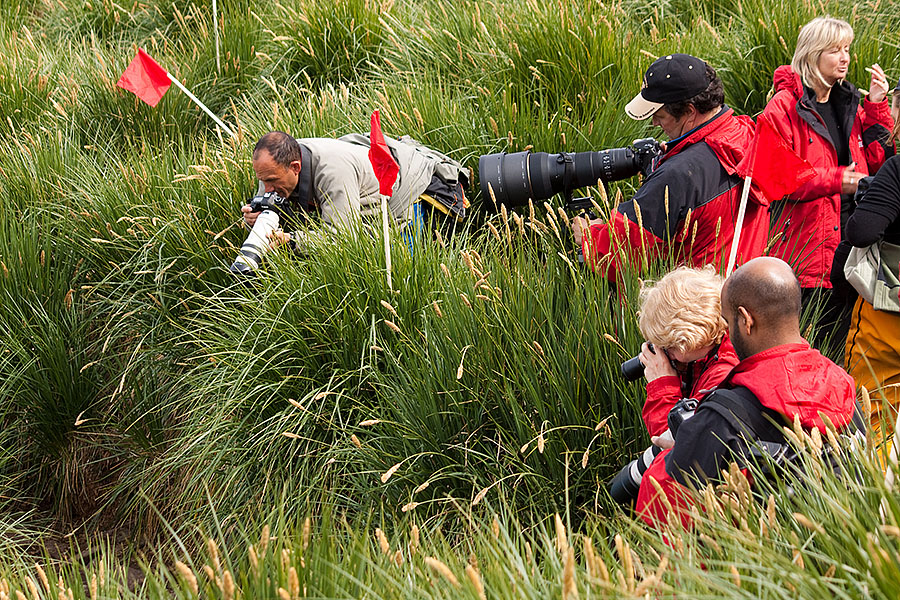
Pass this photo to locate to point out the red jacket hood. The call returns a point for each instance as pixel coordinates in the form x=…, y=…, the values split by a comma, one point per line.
x=784, y=78
x=796, y=380
x=728, y=135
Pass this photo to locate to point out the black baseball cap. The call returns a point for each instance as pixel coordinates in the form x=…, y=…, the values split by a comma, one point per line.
x=897, y=89
x=672, y=78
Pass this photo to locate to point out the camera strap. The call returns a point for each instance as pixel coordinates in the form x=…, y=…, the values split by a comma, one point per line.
x=305, y=193
x=746, y=414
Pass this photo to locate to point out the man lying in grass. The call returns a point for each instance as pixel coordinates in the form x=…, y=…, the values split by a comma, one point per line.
x=687, y=206
x=331, y=181
x=779, y=380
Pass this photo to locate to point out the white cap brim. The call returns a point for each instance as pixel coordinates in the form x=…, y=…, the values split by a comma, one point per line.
x=640, y=108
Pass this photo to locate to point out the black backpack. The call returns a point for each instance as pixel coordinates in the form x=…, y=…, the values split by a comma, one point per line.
x=767, y=449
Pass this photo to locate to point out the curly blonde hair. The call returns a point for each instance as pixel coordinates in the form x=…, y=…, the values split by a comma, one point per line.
x=682, y=311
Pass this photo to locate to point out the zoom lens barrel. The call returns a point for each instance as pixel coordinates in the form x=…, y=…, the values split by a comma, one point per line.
x=625, y=485
x=257, y=243
x=512, y=179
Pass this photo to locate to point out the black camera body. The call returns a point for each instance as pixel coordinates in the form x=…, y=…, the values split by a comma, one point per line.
x=268, y=201
x=516, y=178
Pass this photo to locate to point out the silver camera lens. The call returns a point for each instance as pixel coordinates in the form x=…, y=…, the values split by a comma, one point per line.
x=257, y=243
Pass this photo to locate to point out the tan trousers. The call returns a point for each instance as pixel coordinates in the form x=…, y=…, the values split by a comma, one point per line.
x=873, y=359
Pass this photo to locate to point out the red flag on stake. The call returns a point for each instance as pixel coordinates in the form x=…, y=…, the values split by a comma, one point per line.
x=775, y=169
x=386, y=171
x=774, y=166
x=383, y=163
x=145, y=78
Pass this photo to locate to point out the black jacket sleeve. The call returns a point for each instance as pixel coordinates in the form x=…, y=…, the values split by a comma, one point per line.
x=879, y=207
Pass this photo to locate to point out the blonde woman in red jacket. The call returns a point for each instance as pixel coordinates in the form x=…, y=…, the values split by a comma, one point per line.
x=818, y=113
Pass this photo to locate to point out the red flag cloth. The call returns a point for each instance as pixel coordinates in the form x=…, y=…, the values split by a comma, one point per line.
x=773, y=165
x=145, y=78
x=383, y=163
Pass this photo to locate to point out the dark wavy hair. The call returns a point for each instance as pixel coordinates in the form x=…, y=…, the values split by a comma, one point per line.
x=709, y=99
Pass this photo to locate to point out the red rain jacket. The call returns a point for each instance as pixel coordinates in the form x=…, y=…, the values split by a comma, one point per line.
x=792, y=379
x=808, y=228
x=688, y=205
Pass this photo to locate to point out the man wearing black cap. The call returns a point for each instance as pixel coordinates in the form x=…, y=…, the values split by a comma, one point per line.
x=687, y=208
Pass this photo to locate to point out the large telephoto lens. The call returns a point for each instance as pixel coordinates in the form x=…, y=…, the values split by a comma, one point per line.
x=257, y=243
x=625, y=485
x=514, y=178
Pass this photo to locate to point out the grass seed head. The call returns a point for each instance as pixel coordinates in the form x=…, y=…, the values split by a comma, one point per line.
x=187, y=575
x=387, y=474
x=569, y=584
x=413, y=537
x=305, y=533
x=442, y=570
x=264, y=540
x=254, y=560
x=355, y=440
x=562, y=540
x=382, y=541
x=42, y=575
x=735, y=576
x=228, y=585
x=32, y=587
x=213, y=550
x=390, y=308
x=475, y=578
x=809, y=523
x=293, y=583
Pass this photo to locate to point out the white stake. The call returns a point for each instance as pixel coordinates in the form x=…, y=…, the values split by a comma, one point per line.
x=387, y=241
x=216, y=29
x=203, y=106
x=738, y=226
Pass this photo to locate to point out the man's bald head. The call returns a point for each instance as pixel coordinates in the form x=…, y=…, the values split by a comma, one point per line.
x=768, y=288
x=761, y=303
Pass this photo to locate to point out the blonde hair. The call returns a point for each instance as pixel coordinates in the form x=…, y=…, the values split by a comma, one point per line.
x=816, y=37
x=682, y=311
